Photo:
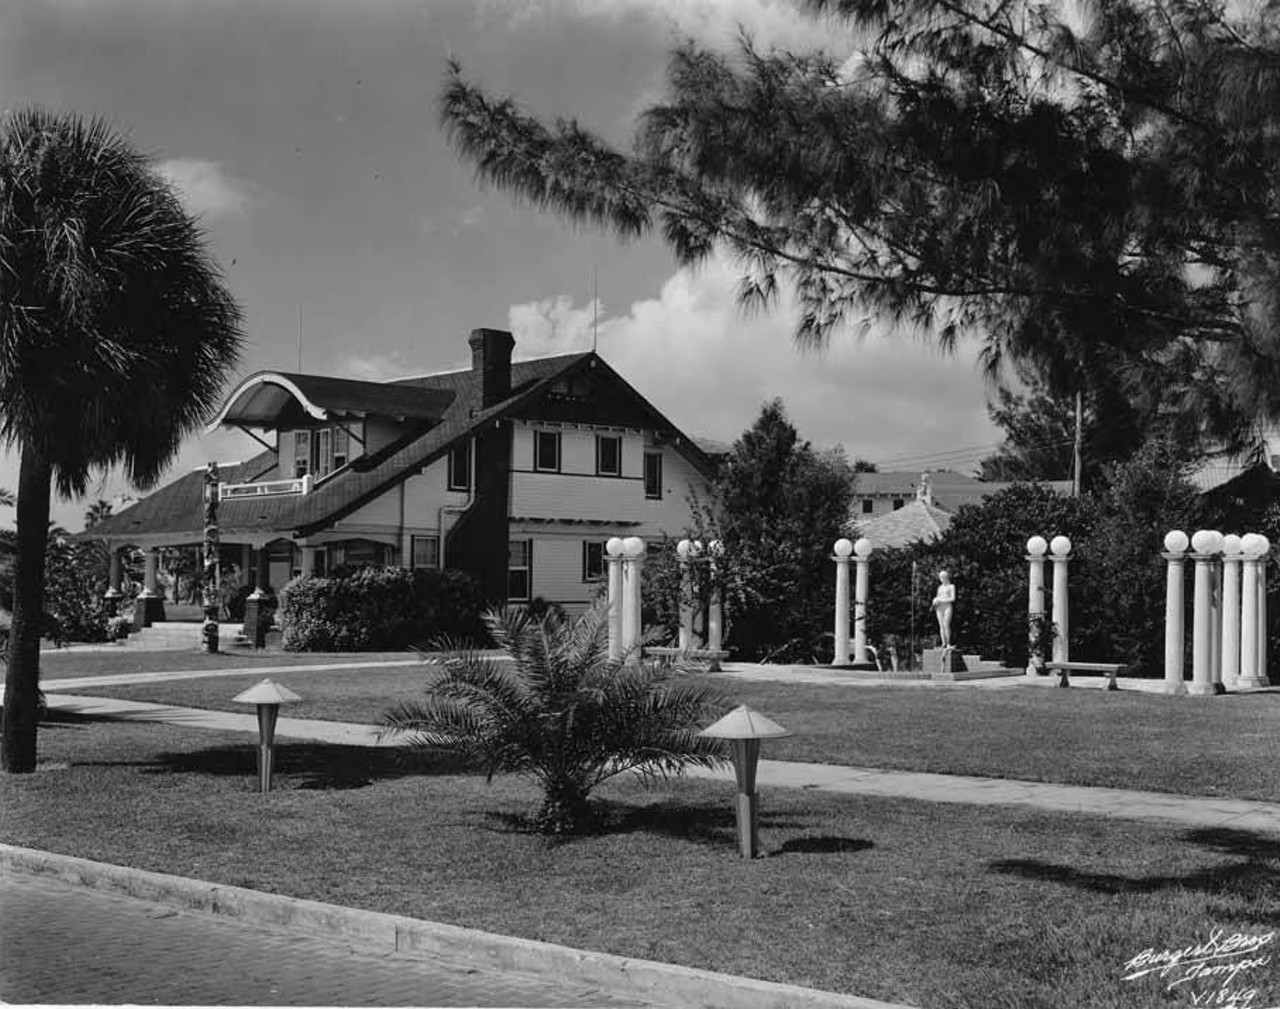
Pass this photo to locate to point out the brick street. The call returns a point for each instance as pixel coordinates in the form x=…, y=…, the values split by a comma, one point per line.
x=68, y=944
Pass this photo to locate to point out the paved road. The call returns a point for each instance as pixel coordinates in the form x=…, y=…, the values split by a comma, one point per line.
x=71, y=945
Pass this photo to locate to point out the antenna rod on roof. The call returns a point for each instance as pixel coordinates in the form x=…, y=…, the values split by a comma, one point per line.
x=299, y=336
x=595, y=310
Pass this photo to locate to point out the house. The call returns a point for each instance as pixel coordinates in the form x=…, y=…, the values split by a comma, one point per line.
x=895, y=509
x=516, y=472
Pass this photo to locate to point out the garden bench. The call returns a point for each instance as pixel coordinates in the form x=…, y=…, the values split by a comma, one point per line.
x=1109, y=668
x=668, y=654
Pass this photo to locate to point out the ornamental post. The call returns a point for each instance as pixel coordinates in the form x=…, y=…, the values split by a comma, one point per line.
x=1037, y=547
x=1175, y=544
x=613, y=555
x=843, y=548
x=1232, y=557
x=1060, y=547
x=1205, y=543
x=862, y=557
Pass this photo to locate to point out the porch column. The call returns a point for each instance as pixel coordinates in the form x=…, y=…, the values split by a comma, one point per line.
x=246, y=564
x=148, y=608
x=113, y=573
x=262, y=574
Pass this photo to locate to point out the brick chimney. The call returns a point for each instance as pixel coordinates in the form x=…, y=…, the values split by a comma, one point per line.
x=491, y=360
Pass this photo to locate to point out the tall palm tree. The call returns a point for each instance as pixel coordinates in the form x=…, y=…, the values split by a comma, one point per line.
x=562, y=712
x=116, y=336
x=96, y=512
x=6, y=498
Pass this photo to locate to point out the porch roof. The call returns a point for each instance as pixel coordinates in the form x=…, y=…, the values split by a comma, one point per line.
x=271, y=399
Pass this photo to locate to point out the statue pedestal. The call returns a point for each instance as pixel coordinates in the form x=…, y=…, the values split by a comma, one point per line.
x=943, y=660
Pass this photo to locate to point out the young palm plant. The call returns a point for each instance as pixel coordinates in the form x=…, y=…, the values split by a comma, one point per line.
x=561, y=712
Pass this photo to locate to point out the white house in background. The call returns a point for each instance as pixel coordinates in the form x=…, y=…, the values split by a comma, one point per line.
x=516, y=472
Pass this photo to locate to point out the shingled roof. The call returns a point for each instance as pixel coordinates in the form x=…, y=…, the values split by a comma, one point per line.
x=177, y=507
x=914, y=521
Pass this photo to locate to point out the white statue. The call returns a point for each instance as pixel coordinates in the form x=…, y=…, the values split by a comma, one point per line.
x=943, y=603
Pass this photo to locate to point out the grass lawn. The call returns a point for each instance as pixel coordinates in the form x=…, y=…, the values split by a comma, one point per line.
x=70, y=664
x=1212, y=746
x=932, y=905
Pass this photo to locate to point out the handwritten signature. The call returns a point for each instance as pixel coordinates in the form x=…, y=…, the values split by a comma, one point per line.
x=1212, y=972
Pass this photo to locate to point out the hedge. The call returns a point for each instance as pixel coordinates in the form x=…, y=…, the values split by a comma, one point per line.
x=379, y=608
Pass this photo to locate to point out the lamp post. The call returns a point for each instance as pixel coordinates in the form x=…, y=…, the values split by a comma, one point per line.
x=843, y=548
x=1175, y=545
x=1205, y=545
x=613, y=553
x=1037, y=547
x=268, y=696
x=744, y=728
x=1060, y=547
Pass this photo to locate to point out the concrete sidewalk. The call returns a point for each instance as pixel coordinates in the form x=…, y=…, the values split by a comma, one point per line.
x=953, y=788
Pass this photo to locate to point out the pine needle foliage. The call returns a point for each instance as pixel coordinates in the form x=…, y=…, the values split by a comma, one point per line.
x=561, y=711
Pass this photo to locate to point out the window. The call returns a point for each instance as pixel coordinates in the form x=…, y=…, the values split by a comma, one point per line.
x=341, y=447
x=301, y=453
x=424, y=551
x=460, y=467
x=593, y=560
x=546, y=451
x=653, y=475
x=867, y=506
x=897, y=503
x=519, y=569
x=608, y=455
x=323, y=445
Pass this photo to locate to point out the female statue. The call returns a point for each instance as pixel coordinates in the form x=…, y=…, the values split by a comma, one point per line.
x=943, y=603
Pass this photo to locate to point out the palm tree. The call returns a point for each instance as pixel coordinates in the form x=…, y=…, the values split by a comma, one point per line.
x=562, y=712
x=116, y=336
x=96, y=512
x=6, y=498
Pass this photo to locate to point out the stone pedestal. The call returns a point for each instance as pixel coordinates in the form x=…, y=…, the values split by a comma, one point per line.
x=257, y=619
x=147, y=610
x=943, y=660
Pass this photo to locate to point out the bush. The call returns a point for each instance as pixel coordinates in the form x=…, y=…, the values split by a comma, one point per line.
x=376, y=608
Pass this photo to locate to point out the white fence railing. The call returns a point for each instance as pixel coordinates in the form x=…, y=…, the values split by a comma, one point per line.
x=265, y=488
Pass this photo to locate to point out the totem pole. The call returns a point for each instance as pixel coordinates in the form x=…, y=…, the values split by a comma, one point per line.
x=209, y=585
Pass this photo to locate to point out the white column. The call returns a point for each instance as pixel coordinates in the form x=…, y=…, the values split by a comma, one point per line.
x=1251, y=632
x=149, y=572
x=632, y=551
x=862, y=559
x=1061, y=550
x=1174, y=630
x=1205, y=545
x=1037, y=547
x=613, y=554
x=843, y=548
x=715, y=614
x=113, y=573
x=683, y=550
x=1263, y=558
x=1215, y=623
x=1231, y=559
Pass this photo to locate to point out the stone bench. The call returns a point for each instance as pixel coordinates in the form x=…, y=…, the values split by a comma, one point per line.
x=1111, y=669
x=668, y=655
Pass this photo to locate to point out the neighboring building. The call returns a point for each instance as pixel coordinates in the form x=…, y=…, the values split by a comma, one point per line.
x=895, y=509
x=518, y=473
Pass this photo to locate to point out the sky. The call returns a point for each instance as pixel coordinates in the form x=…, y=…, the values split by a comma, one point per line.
x=305, y=134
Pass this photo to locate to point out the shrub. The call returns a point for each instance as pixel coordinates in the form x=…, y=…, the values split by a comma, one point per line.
x=562, y=712
x=372, y=608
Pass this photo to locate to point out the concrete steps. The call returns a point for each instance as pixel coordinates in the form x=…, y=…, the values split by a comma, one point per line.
x=177, y=635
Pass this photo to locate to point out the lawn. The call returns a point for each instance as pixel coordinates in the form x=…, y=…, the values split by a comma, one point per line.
x=932, y=905
x=1212, y=746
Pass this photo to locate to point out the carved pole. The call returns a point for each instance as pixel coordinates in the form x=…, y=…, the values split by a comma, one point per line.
x=209, y=585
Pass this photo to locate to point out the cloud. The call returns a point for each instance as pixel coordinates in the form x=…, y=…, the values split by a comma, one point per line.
x=717, y=22
x=699, y=360
x=205, y=189
x=373, y=367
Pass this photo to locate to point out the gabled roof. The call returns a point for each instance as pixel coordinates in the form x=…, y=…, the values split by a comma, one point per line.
x=177, y=507
x=916, y=520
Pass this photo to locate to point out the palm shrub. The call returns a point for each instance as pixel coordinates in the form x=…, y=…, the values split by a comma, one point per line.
x=561, y=712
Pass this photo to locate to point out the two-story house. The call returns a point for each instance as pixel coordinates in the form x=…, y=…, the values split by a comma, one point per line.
x=516, y=472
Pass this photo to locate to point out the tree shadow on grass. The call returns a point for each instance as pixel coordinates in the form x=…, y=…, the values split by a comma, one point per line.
x=822, y=846
x=302, y=765
x=1257, y=876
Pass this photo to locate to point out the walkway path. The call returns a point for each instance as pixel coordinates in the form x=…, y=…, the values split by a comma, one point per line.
x=1114, y=802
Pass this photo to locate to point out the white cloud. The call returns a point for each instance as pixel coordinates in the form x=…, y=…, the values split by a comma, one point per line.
x=206, y=189
x=769, y=22
x=373, y=367
x=699, y=360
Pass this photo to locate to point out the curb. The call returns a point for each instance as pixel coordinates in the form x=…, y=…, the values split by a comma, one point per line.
x=389, y=933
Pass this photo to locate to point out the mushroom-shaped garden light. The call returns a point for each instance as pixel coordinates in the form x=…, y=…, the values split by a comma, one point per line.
x=744, y=728
x=268, y=696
